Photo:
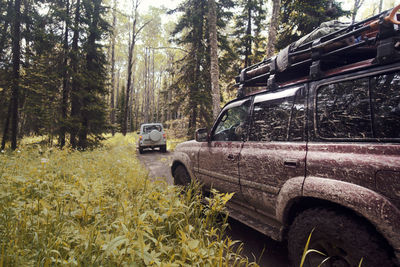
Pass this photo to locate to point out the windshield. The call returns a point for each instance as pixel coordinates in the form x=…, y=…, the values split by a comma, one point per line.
x=149, y=128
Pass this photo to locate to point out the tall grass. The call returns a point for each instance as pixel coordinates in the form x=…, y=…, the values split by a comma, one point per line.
x=92, y=208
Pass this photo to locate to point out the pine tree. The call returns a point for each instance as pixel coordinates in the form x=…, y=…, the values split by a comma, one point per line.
x=92, y=111
x=65, y=85
x=273, y=27
x=248, y=27
x=299, y=17
x=193, y=81
x=112, y=95
x=16, y=59
x=214, y=68
x=75, y=75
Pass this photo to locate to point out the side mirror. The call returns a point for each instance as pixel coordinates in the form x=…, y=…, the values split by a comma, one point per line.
x=201, y=135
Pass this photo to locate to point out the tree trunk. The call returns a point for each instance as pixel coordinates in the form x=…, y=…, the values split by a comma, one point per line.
x=5, y=28
x=27, y=36
x=356, y=7
x=380, y=6
x=248, y=39
x=16, y=51
x=6, y=126
x=145, y=106
x=273, y=27
x=152, y=92
x=130, y=64
x=65, y=90
x=90, y=58
x=112, y=101
x=75, y=103
x=214, y=68
x=198, y=50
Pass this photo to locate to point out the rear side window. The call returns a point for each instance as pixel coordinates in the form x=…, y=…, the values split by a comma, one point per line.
x=360, y=109
x=386, y=105
x=278, y=116
x=343, y=110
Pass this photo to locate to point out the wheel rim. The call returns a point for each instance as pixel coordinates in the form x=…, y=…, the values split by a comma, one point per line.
x=337, y=254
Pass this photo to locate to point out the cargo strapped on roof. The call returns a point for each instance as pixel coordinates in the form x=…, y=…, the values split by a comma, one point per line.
x=375, y=40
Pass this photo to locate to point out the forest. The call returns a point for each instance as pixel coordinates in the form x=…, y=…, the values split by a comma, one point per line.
x=72, y=70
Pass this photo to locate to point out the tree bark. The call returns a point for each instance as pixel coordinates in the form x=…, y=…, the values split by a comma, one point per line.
x=6, y=126
x=273, y=27
x=16, y=51
x=356, y=7
x=112, y=101
x=248, y=39
x=214, y=68
x=65, y=90
x=130, y=64
x=380, y=6
x=5, y=27
x=75, y=104
x=90, y=58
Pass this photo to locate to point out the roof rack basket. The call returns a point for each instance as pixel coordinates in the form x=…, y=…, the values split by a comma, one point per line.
x=375, y=40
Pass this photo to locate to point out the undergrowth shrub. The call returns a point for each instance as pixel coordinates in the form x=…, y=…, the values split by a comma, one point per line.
x=98, y=208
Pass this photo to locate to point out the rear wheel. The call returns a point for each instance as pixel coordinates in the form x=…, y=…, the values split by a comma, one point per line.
x=163, y=148
x=181, y=176
x=343, y=238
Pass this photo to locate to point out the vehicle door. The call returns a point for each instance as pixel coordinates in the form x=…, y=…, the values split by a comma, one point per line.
x=218, y=159
x=276, y=147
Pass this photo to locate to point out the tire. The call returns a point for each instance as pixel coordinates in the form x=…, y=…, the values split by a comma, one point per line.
x=344, y=238
x=163, y=148
x=140, y=150
x=155, y=136
x=181, y=176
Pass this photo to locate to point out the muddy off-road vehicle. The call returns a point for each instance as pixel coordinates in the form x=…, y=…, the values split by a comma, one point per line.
x=312, y=144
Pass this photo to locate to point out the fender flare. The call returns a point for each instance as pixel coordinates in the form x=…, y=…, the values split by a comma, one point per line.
x=384, y=215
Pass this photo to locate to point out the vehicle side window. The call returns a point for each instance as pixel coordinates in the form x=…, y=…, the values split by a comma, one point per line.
x=365, y=108
x=278, y=116
x=385, y=91
x=343, y=110
x=233, y=124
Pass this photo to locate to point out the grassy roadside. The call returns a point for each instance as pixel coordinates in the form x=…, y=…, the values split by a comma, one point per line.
x=173, y=140
x=64, y=207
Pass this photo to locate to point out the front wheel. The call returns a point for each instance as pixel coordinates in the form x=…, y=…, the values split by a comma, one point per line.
x=344, y=239
x=181, y=176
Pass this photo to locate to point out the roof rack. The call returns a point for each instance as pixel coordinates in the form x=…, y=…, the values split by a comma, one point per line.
x=374, y=38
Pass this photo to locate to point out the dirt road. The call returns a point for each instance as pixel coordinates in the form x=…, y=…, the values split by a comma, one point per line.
x=275, y=253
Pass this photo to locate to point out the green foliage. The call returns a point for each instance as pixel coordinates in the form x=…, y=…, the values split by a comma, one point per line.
x=50, y=65
x=249, y=23
x=301, y=17
x=92, y=208
x=192, y=73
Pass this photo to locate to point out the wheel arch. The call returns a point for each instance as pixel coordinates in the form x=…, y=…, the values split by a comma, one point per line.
x=184, y=160
x=362, y=203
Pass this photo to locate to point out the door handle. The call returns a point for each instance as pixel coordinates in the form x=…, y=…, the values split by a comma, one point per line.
x=291, y=163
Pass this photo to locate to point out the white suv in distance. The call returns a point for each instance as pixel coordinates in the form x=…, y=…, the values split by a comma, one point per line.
x=152, y=135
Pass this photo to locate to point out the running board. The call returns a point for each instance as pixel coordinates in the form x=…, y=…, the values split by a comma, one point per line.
x=250, y=217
